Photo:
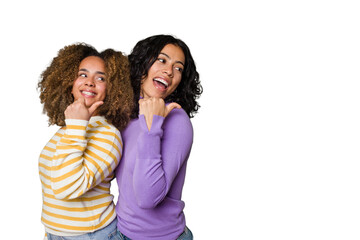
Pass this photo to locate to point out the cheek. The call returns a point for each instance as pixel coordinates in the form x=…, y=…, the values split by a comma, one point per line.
x=145, y=82
x=102, y=89
x=75, y=86
x=177, y=82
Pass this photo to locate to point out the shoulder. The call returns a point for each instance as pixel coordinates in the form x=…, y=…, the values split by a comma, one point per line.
x=178, y=130
x=100, y=125
x=178, y=114
x=111, y=127
x=178, y=120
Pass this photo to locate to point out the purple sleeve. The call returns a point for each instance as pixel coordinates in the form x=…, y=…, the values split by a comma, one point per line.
x=160, y=154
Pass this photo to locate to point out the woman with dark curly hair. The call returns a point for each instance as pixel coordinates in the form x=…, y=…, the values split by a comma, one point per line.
x=89, y=95
x=157, y=141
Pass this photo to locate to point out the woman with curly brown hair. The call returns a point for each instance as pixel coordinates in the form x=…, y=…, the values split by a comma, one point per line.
x=157, y=141
x=89, y=95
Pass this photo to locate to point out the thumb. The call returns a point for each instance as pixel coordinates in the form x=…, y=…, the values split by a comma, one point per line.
x=93, y=107
x=171, y=106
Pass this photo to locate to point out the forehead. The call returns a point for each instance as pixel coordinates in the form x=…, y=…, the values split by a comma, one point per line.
x=92, y=62
x=174, y=52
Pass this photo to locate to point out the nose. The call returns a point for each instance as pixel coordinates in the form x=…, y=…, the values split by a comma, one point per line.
x=90, y=82
x=168, y=70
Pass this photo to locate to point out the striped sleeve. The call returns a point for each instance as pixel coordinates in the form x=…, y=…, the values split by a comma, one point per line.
x=84, y=157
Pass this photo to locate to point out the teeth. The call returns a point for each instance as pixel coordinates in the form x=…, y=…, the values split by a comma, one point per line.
x=162, y=81
x=88, y=93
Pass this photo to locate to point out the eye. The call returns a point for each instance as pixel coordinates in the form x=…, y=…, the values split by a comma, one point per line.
x=161, y=60
x=102, y=79
x=82, y=75
x=180, y=69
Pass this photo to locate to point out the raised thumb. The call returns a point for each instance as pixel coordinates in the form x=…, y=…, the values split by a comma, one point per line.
x=171, y=106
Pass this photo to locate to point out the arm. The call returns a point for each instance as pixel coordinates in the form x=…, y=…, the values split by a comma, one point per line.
x=161, y=152
x=79, y=163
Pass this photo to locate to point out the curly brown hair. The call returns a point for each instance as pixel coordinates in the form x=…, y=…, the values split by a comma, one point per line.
x=56, y=83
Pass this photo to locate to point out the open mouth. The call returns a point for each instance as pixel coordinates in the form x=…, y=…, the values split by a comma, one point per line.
x=160, y=83
x=87, y=93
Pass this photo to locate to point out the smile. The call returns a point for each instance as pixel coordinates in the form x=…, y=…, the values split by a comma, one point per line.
x=163, y=84
x=87, y=93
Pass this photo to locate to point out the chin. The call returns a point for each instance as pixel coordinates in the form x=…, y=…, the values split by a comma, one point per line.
x=88, y=104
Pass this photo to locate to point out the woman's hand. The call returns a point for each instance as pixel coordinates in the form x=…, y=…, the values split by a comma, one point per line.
x=155, y=106
x=78, y=110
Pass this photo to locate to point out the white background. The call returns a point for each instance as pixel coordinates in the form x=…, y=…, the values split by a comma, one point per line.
x=276, y=148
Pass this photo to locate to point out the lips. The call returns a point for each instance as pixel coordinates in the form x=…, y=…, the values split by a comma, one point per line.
x=87, y=93
x=161, y=83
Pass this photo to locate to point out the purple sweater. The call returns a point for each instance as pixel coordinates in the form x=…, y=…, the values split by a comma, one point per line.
x=151, y=176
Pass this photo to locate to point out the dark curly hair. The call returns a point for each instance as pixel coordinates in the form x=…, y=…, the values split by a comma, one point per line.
x=56, y=83
x=142, y=57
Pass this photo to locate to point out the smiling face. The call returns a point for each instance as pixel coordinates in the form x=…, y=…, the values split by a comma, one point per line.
x=165, y=74
x=90, y=82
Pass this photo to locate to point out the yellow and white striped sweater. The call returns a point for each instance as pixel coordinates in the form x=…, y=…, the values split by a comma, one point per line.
x=76, y=167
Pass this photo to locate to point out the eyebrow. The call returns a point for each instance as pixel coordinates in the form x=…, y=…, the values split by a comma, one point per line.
x=170, y=58
x=85, y=70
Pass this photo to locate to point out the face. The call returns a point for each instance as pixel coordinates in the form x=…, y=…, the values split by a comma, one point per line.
x=165, y=74
x=90, y=82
